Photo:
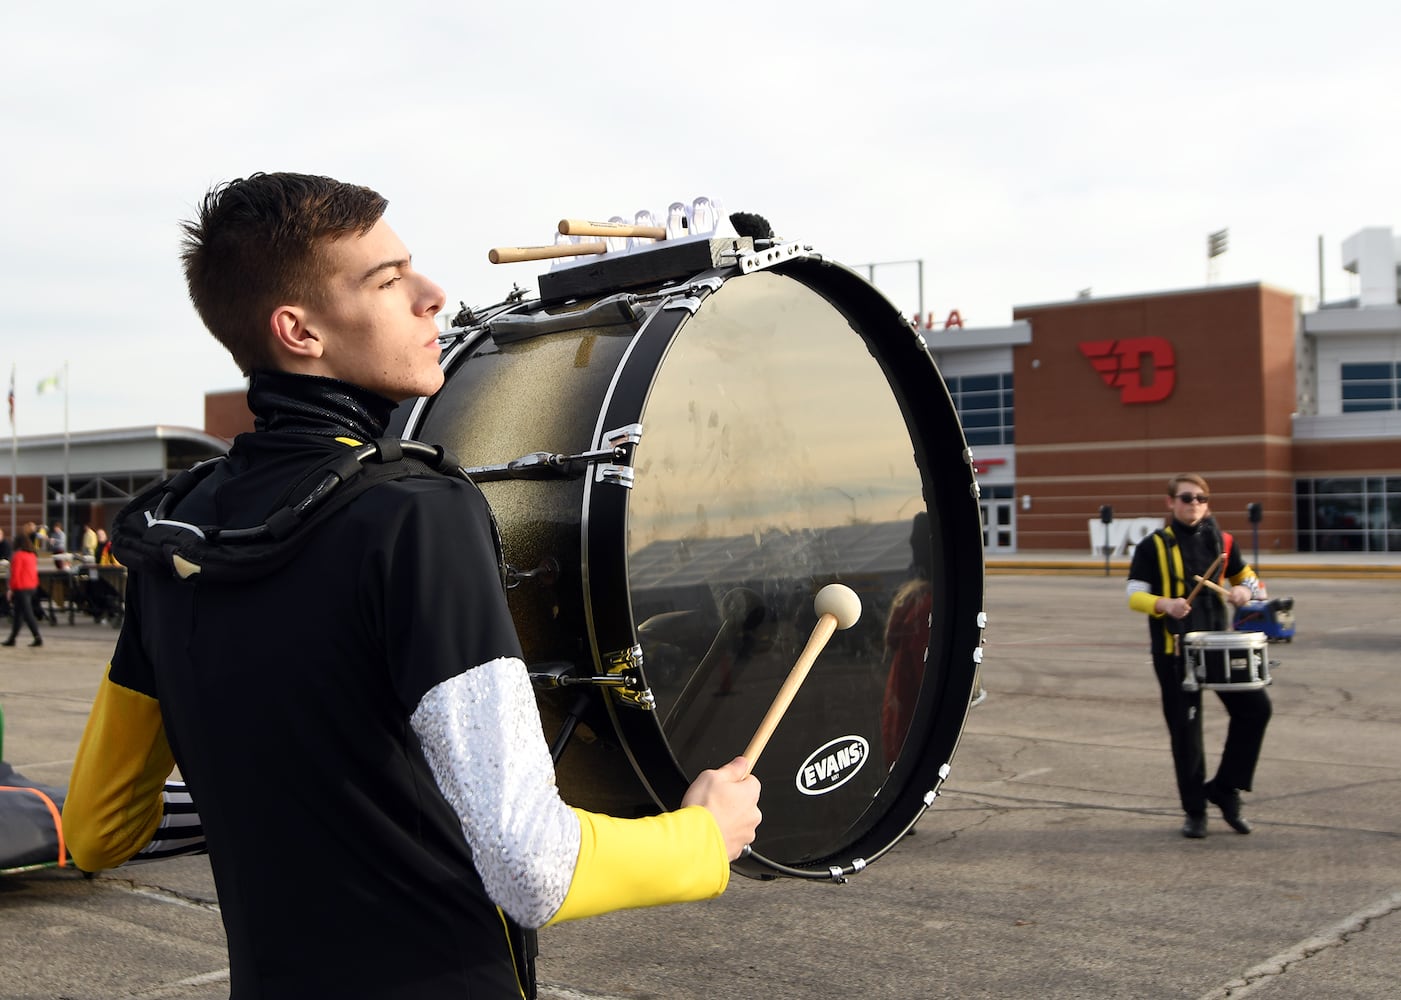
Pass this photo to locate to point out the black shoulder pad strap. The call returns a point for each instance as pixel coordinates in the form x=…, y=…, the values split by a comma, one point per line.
x=145, y=537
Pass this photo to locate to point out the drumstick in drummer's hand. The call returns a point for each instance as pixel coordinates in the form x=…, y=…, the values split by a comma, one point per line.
x=837, y=607
x=514, y=255
x=1200, y=581
x=1213, y=585
x=582, y=227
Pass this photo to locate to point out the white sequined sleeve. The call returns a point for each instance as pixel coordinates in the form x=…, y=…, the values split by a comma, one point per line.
x=481, y=735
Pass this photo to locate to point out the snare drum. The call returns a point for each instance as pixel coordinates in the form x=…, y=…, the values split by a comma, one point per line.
x=1226, y=661
x=675, y=469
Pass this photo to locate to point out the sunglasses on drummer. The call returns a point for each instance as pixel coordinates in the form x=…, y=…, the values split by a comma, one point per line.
x=1193, y=497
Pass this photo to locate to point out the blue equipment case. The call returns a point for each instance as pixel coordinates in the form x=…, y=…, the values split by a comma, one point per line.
x=1274, y=617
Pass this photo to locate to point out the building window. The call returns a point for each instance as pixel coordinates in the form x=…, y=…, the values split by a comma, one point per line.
x=1357, y=514
x=1372, y=385
x=984, y=404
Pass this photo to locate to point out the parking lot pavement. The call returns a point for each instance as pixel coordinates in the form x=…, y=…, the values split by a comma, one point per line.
x=1051, y=866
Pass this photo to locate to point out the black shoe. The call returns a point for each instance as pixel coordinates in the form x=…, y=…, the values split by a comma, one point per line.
x=1195, y=827
x=1228, y=801
x=8, y=642
x=37, y=642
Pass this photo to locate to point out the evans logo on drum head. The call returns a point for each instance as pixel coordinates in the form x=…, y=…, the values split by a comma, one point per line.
x=832, y=765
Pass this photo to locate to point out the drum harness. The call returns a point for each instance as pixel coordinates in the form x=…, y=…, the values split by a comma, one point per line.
x=148, y=535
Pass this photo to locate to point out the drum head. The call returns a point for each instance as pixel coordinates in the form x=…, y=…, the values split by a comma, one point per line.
x=796, y=433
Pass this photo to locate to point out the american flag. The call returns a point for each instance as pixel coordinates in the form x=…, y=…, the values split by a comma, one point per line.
x=12, y=395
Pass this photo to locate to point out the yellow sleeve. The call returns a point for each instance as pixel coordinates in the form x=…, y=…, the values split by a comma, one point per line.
x=1141, y=600
x=114, y=801
x=676, y=857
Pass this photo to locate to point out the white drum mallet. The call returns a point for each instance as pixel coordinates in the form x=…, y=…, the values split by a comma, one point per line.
x=837, y=607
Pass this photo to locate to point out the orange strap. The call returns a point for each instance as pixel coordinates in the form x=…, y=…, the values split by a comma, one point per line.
x=53, y=811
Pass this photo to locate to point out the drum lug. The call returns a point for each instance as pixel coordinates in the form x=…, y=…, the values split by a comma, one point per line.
x=546, y=465
x=612, y=311
x=617, y=440
x=691, y=301
x=624, y=677
x=627, y=434
x=712, y=284
x=618, y=475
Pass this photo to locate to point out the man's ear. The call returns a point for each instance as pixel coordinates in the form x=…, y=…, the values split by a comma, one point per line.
x=292, y=333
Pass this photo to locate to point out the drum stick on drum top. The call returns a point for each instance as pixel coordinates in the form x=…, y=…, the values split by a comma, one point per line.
x=837, y=607
x=514, y=255
x=582, y=227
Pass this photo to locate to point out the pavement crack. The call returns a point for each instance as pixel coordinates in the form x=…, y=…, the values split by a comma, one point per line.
x=1330, y=937
x=161, y=894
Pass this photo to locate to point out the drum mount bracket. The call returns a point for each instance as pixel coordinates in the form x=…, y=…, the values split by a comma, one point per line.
x=551, y=465
x=624, y=679
x=776, y=253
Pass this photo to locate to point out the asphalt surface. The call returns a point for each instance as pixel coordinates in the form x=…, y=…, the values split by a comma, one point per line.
x=1050, y=867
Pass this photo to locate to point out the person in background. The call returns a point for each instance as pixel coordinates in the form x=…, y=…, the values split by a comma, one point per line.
x=6, y=550
x=87, y=547
x=23, y=587
x=906, y=641
x=104, y=549
x=1162, y=574
x=381, y=663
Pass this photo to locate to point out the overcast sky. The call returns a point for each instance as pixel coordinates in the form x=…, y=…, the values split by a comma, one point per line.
x=1023, y=151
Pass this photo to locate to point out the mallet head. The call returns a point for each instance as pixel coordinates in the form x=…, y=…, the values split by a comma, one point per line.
x=840, y=602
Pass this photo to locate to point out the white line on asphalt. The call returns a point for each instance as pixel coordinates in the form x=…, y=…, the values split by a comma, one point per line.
x=178, y=989
x=165, y=896
x=1329, y=937
x=549, y=991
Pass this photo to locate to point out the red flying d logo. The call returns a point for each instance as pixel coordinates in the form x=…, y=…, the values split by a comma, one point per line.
x=1120, y=364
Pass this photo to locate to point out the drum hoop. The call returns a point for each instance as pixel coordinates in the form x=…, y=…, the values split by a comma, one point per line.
x=1225, y=639
x=609, y=416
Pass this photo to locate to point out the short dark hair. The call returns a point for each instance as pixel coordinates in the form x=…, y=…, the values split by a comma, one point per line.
x=257, y=243
x=1187, y=477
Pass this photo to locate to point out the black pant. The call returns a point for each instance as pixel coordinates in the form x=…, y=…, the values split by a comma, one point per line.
x=23, y=601
x=1182, y=710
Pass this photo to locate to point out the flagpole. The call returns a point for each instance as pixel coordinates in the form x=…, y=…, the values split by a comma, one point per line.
x=14, y=459
x=67, y=528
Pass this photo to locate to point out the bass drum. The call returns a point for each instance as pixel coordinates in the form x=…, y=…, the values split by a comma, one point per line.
x=675, y=471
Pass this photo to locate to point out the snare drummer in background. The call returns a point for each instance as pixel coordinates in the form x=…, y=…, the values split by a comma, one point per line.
x=1162, y=576
x=355, y=723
